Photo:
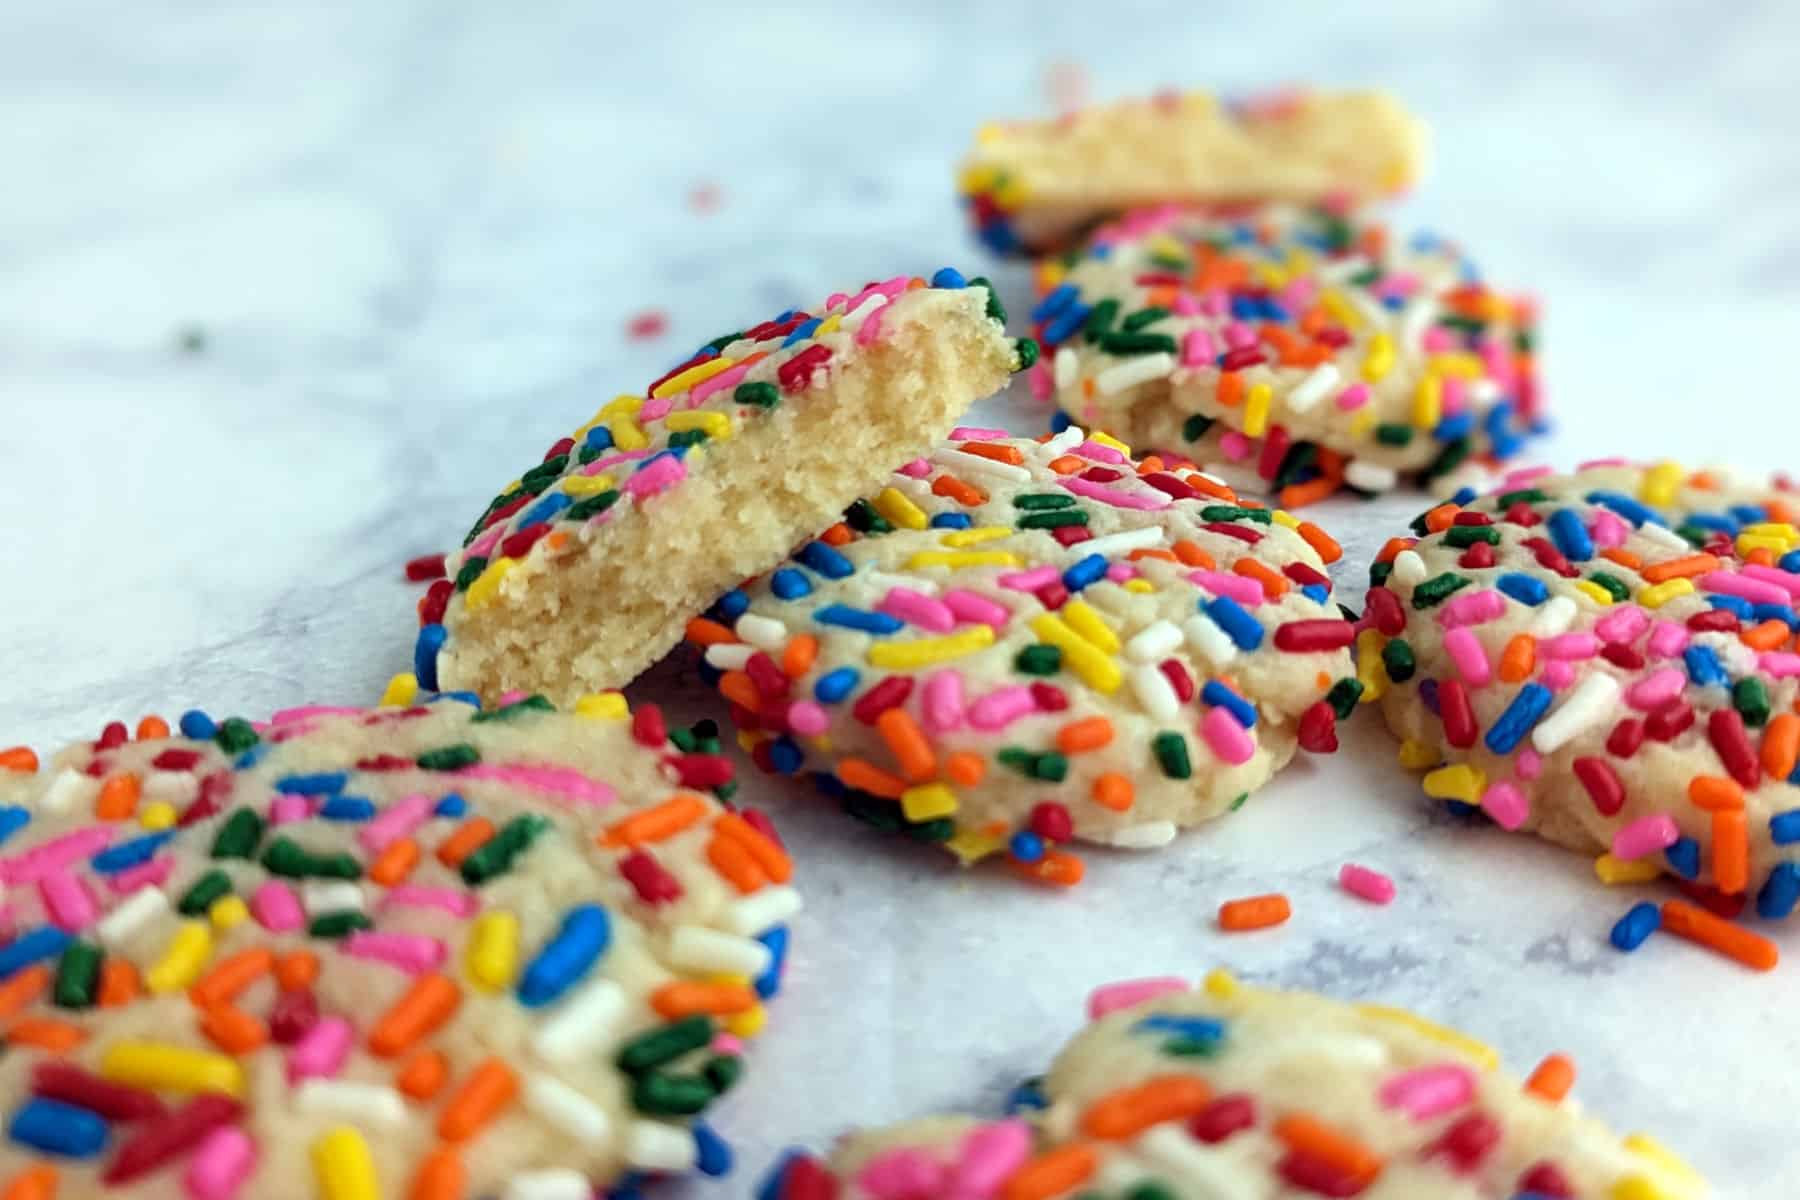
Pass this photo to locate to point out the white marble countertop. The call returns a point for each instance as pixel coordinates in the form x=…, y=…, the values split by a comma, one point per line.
x=413, y=234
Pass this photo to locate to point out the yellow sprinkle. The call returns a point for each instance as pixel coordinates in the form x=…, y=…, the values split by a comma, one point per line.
x=747, y=741
x=627, y=434
x=1091, y=626
x=1760, y=541
x=1011, y=193
x=162, y=1067
x=1165, y=246
x=1428, y=403
x=1458, y=363
x=1340, y=309
x=713, y=424
x=1483, y=1054
x=228, y=912
x=698, y=373
x=1458, y=781
x=1271, y=276
x=343, y=1167
x=1140, y=586
x=1660, y=594
x=979, y=177
x=975, y=536
x=1416, y=755
x=1049, y=274
x=493, y=952
x=1107, y=439
x=1615, y=871
x=1380, y=359
x=957, y=559
x=1363, y=421
x=581, y=486
x=603, y=706
x=1647, y=1147
x=747, y=1024
x=157, y=816
x=971, y=845
x=1095, y=669
x=400, y=690
x=1370, y=670
x=828, y=324
x=927, y=802
x=1660, y=484
x=1256, y=410
x=626, y=405
x=481, y=593
x=1594, y=592
x=1780, y=529
x=1636, y=1187
x=1221, y=984
x=893, y=504
x=182, y=961
x=904, y=656
x=1284, y=518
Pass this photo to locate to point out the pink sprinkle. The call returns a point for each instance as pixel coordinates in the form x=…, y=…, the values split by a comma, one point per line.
x=1472, y=608
x=1471, y=659
x=1197, y=348
x=1576, y=645
x=1353, y=397
x=394, y=822
x=1129, y=993
x=613, y=460
x=1238, y=335
x=1298, y=295
x=729, y=377
x=976, y=433
x=285, y=809
x=806, y=717
x=1753, y=590
x=276, y=908
x=306, y=712
x=1608, y=530
x=1039, y=379
x=1453, y=396
x=1366, y=883
x=988, y=1155
x=1236, y=447
x=1557, y=674
x=1667, y=639
x=1655, y=689
x=67, y=901
x=54, y=855
x=1429, y=1092
x=1215, y=302
x=564, y=782
x=916, y=608
x=1622, y=623
x=1787, y=581
x=1119, y=572
x=1506, y=804
x=1229, y=740
x=1645, y=836
x=901, y=1173
x=454, y=901
x=1029, y=581
x=1615, y=461
x=151, y=874
x=413, y=953
x=1529, y=763
x=1143, y=501
x=220, y=1165
x=1778, y=664
x=870, y=329
x=1234, y=587
x=659, y=475
x=655, y=410
x=943, y=701
x=977, y=609
x=511, y=696
x=1001, y=707
x=1098, y=452
x=726, y=1043
x=1185, y=305
x=483, y=546
x=650, y=323
x=918, y=468
x=321, y=1051
x=1510, y=481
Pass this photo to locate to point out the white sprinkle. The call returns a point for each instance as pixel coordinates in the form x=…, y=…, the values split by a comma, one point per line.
x=1481, y=392
x=1409, y=568
x=1737, y=658
x=1208, y=640
x=118, y=927
x=68, y=789
x=1063, y=442
x=1132, y=372
x=1065, y=367
x=1370, y=476
x=373, y=1103
x=653, y=1146
x=1202, y=1171
x=1554, y=616
x=729, y=656
x=552, y=1183
x=1147, y=836
x=1415, y=320
x=765, y=633
x=1122, y=542
x=853, y=321
x=567, y=1109
x=882, y=581
x=1314, y=388
x=1338, y=270
x=974, y=464
x=330, y=895
x=1153, y=642
x=1592, y=701
x=173, y=787
x=1665, y=537
x=1154, y=692
x=587, y=1020
x=1353, y=1051
x=696, y=948
x=762, y=911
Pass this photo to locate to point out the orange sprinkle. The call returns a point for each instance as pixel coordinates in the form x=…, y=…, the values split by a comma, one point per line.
x=1781, y=745
x=1688, y=921
x=703, y=632
x=1394, y=546
x=737, y=687
x=1681, y=568
x=440, y=1177
x=999, y=452
x=673, y=1001
x=297, y=969
x=420, y=1011
x=1056, y=867
x=1067, y=464
x=838, y=535
x=1623, y=557
x=1152, y=552
x=770, y=857
x=1089, y=734
x=1209, y=487
x=1254, y=912
x=1113, y=790
x=1192, y=554
x=1273, y=585
x=232, y=1029
x=23, y=988
x=1762, y=556
x=22, y=759
x=655, y=824
x=119, y=983
x=1310, y=1136
x=1230, y=392
x=33, y=1183
x=1129, y=1111
x=395, y=862
x=230, y=976
x=1778, y=510
x=1087, y=388
x=1767, y=636
x=1715, y=793
x=1149, y=464
x=423, y=1074
x=908, y=744
x=488, y=1089
x=732, y=860
x=798, y=655
x=865, y=776
x=41, y=1033
x=1730, y=851
x=964, y=768
x=1051, y=1173
x=1299, y=495
x=1519, y=657
x=1553, y=1078
x=118, y=797
x=1442, y=517
x=469, y=837
x=965, y=494
x=151, y=728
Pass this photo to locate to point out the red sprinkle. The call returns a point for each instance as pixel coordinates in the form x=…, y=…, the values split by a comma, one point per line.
x=1226, y=1115
x=1275, y=448
x=701, y=770
x=1669, y=721
x=1169, y=485
x=1718, y=620
x=649, y=878
x=1052, y=595
x=435, y=602
x=1470, y=1140
x=1382, y=610
x=1625, y=738
x=1547, y=1179
x=1051, y=821
x=1240, y=357
x=426, y=566
x=1302, y=636
x=518, y=545
x=166, y=1138
x=1602, y=784
x=1048, y=697
x=1318, y=728
x=772, y=683
x=176, y=760
x=796, y=373
x=887, y=694
x=113, y=736
x=1240, y=532
x=293, y=1015
x=1454, y=711
x=1622, y=656
x=648, y=727
x=1178, y=678
x=114, y=1101
x=1069, y=535
x=1725, y=729
x=1314, y=1174
x=1305, y=576
x=1478, y=555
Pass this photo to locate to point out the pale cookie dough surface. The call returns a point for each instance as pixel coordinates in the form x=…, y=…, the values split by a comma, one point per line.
x=1018, y=643
x=1029, y=185
x=1606, y=659
x=1311, y=349
x=539, y=941
x=580, y=573
x=1230, y=1092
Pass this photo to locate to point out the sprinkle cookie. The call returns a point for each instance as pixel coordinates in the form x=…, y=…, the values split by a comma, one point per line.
x=1607, y=660
x=1029, y=185
x=1017, y=644
x=1302, y=349
x=1248, y=1094
x=429, y=951
x=580, y=573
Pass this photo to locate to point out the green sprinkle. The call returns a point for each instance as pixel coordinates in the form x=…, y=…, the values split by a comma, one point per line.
x=1366, y=278
x=77, y=975
x=1751, y=699
x=288, y=858
x=1379, y=572
x=235, y=735
x=1039, y=659
x=648, y=1051
x=593, y=506
x=874, y=811
x=723, y=1071
x=1461, y=323
x=1528, y=495
x=1343, y=696
x=545, y=471
x=1615, y=587
x=1195, y=427
x=1184, y=1047
x=1461, y=537
x=470, y=571
x=508, y=712
x=206, y=889
x=995, y=311
x=1142, y=317
x=1230, y=512
x=662, y=1095
x=862, y=517
x=1449, y=458
x=495, y=856
x=756, y=395
x=449, y=758
x=938, y=829
x=1034, y=501
x=1397, y=659
x=686, y=437
x=1053, y=520
x=1028, y=353
x=1172, y=754
x=1437, y=589
x=685, y=740
x=1137, y=343
x=1239, y=801
x=724, y=340
x=1695, y=534
x=1052, y=766
x=1150, y=1189
x=588, y=454
x=1099, y=320
x=1019, y=759
x=1389, y=434
x=1300, y=457
x=338, y=924
x=239, y=836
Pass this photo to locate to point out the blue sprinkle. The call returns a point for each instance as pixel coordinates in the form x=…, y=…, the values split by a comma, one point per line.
x=1638, y=514
x=1526, y=709
x=548, y=505
x=1776, y=900
x=1026, y=846
x=1066, y=324
x=801, y=332
x=126, y=855
x=1784, y=827
x=951, y=521
x=785, y=755
x=1495, y=425
x=709, y=674
x=790, y=584
x=1684, y=857
x=826, y=561
x=1318, y=593
x=1715, y=521
x=1634, y=927
x=775, y=1183
x=12, y=819
x=769, y=982
x=1428, y=696
x=1057, y=299
x=1027, y=1097
x=857, y=618
x=835, y=685
x=712, y=1154
x=1464, y=495
x=1749, y=514
x=599, y=438
x=1238, y=624
x=252, y=756
x=829, y=785
x=1220, y=696
x=1198, y=1029
x=1451, y=428
x=999, y=237
x=46, y=941
x=578, y=944
x=1776, y=612
x=52, y=1127
x=468, y=698
x=425, y=656
x=733, y=604
x=948, y=277
x=348, y=808
x=1570, y=536
x=1523, y=588
x=1703, y=666
x=197, y=725
x=1089, y=570
x=319, y=783
x=452, y=806
x=1790, y=561
x=1735, y=605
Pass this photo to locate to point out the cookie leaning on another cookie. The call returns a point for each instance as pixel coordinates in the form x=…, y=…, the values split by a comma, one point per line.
x=580, y=574
x=429, y=951
x=1239, y=1093
x=1017, y=644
